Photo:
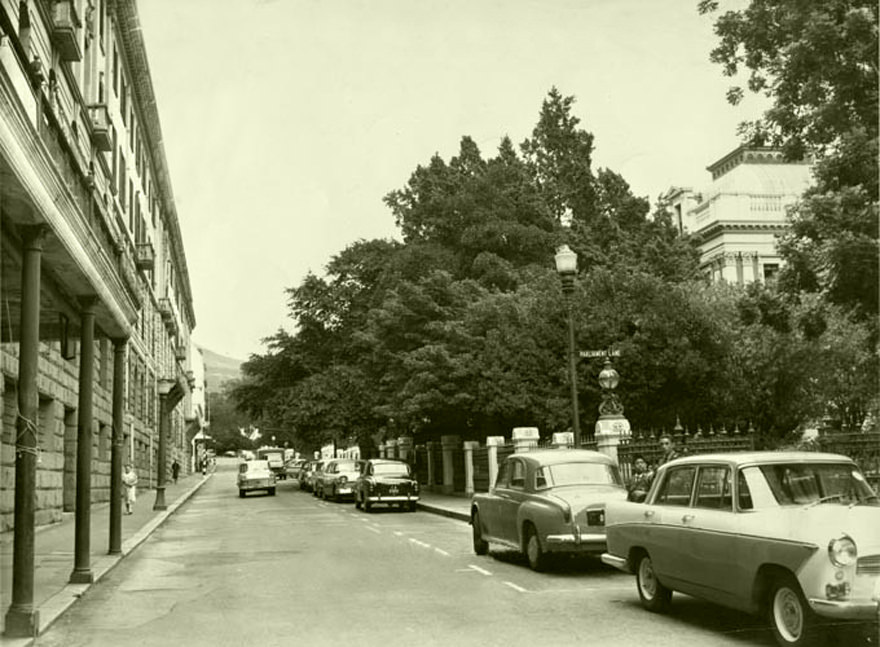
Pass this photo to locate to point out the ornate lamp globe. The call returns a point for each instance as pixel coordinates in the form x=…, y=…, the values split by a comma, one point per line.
x=566, y=261
x=608, y=377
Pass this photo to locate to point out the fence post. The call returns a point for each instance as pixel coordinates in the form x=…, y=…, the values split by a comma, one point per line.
x=469, y=447
x=448, y=444
x=404, y=448
x=492, y=444
x=525, y=438
x=430, y=447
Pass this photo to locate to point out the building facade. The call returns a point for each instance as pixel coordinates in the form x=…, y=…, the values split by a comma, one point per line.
x=96, y=302
x=738, y=217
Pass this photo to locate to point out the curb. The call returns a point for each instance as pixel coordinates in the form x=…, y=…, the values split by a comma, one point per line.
x=56, y=605
x=445, y=512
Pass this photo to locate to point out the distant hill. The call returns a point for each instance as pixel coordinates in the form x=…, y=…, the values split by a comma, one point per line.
x=220, y=369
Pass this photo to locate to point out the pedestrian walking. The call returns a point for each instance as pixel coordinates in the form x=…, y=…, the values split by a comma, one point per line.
x=129, y=480
x=641, y=481
x=175, y=470
x=669, y=451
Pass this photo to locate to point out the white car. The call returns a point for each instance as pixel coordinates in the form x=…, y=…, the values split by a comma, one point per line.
x=792, y=534
x=255, y=475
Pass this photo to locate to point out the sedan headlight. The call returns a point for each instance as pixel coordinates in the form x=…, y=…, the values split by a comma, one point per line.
x=842, y=551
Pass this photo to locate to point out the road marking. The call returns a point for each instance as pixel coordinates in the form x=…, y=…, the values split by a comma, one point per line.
x=375, y=530
x=441, y=551
x=476, y=568
x=420, y=543
x=397, y=533
x=516, y=587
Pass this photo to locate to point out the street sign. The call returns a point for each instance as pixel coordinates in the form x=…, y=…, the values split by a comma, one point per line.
x=600, y=353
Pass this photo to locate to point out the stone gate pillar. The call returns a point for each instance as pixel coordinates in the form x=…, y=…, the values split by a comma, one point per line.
x=429, y=446
x=449, y=444
x=405, y=448
x=525, y=438
x=493, y=443
x=469, y=447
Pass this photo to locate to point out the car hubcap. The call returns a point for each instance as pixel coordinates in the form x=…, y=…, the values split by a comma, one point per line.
x=647, y=582
x=788, y=614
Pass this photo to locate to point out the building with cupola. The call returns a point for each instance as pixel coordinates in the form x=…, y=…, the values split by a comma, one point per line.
x=736, y=219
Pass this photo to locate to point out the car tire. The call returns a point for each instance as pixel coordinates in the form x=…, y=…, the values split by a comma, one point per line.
x=533, y=550
x=412, y=506
x=271, y=491
x=481, y=546
x=654, y=596
x=791, y=619
x=241, y=494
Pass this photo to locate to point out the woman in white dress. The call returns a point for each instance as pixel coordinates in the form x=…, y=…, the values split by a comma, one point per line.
x=129, y=480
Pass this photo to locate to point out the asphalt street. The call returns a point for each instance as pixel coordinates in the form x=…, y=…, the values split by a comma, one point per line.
x=291, y=569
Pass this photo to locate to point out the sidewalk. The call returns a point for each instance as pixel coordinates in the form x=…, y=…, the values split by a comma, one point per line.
x=54, y=552
x=457, y=506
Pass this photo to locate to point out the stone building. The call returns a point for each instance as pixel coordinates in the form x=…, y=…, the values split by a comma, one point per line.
x=96, y=305
x=737, y=218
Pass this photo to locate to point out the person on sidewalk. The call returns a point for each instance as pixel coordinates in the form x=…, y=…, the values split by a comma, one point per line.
x=175, y=470
x=129, y=480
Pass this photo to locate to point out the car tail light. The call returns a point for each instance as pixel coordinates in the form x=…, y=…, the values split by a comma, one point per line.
x=842, y=551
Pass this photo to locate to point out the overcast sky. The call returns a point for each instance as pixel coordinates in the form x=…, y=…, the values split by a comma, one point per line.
x=285, y=122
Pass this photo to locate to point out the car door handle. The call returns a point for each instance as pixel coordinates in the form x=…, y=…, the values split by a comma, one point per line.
x=687, y=517
x=649, y=514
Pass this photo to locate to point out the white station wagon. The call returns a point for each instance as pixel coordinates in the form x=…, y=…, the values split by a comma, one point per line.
x=792, y=534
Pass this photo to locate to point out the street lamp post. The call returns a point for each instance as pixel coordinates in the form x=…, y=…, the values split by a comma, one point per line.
x=566, y=267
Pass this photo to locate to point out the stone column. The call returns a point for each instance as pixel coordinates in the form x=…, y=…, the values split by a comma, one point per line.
x=609, y=431
x=116, y=448
x=449, y=444
x=164, y=431
x=429, y=446
x=391, y=448
x=405, y=448
x=493, y=443
x=82, y=570
x=22, y=619
x=469, y=447
x=525, y=438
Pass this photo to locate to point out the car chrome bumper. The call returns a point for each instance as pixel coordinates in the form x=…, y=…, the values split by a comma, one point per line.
x=846, y=609
x=617, y=562
x=393, y=499
x=583, y=542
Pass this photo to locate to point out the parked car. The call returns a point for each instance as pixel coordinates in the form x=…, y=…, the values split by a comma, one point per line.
x=337, y=478
x=255, y=475
x=314, y=476
x=386, y=481
x=293, y=467
x=304, y=472
x=547, y=501
x=792, y=534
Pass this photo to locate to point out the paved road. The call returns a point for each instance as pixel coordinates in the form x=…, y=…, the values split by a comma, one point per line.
x=291, y=569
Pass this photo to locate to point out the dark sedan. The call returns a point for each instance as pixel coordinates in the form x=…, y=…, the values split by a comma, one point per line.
x=386, y=481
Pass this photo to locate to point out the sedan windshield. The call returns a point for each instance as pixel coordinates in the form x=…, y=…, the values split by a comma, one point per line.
x=806, y=483
x=577, y=474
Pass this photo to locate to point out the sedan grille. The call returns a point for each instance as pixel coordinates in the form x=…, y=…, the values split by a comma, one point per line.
x=868, y=565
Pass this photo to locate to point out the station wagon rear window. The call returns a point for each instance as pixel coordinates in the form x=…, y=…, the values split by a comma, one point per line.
x=391, y=469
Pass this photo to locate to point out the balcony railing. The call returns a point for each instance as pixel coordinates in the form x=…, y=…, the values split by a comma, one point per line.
x=65, y=30
x=101, y=127
x=146, y=256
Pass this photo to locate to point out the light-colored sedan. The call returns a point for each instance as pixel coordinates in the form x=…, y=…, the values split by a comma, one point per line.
x=547, y=501
x=337, y=478
x=792, y=534
x=255, y=475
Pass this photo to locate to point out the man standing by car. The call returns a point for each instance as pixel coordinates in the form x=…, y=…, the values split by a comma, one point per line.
x=669, y=452
x=641, y=481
